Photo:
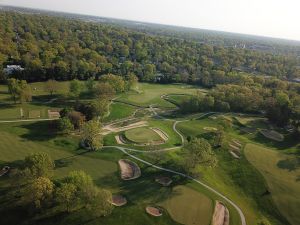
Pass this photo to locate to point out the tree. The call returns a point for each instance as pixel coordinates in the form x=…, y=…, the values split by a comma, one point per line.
x=115, y=81
x=39, y=165
x=64, y=125
x=51, y=86
x=91, y=134
x=131, y=81
x=38, y=193
x=90, y=84
x=199, y=152
x=66, y=197
x=79, y=191
x=75, y=88
x=19, y=90
x=76, y=118
x=100, y=108
x=104, y=90
x=13, y=88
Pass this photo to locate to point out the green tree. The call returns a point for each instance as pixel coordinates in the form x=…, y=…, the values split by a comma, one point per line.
x=198, y=152
x=90, y=133
x=100, y=108
x=38, y=193
x=51, y=86
x=19, y=90
x=75, y=88
x=66, y=197
x=104, y=90
x=64, y=125
x=39, y=165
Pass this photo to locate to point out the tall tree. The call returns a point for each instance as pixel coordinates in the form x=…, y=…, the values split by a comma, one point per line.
x=90, y=134
x=51, y=86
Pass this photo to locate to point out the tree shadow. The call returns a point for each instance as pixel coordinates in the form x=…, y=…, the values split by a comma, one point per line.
x=39, y=131
x=289, y=164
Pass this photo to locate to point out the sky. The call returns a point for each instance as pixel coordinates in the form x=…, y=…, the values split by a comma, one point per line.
x=273, y=18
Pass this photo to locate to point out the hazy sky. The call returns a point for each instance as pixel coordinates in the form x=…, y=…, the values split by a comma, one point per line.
x=275, y=18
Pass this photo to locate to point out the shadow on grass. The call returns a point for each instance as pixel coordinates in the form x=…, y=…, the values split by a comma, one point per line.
x=39, y=131
x=289, y=164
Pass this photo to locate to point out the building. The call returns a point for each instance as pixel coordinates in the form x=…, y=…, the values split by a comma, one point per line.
x=10, y=69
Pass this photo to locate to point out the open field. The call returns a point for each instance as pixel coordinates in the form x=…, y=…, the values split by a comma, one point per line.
x=189, y=207
x=148, y=94
x=142, y=135
x=282, y=174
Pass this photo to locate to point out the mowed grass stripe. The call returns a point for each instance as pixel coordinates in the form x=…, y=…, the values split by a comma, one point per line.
x=282, y=178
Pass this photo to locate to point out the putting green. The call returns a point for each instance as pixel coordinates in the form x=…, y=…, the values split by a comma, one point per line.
x=142, y=135
x=282, y=175
x=189, y=207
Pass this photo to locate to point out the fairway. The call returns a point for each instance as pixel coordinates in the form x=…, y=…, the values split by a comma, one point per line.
x=142, y=135
x=282, y=175
x=189, y=207
x=148, y=94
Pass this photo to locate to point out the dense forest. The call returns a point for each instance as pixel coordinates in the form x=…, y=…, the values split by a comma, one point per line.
x=63, y=49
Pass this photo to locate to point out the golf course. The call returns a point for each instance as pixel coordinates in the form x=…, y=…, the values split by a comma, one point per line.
x=138, y=127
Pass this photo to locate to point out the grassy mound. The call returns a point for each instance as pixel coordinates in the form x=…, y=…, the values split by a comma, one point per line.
x=282, y=175
x=142, y=135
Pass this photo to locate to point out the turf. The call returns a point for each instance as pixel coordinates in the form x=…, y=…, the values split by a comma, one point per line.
x=142, y=135
x=119, y=111
x=282, y=175
x=148, y=94
x=187, y=206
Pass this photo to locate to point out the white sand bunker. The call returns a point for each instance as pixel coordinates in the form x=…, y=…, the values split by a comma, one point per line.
x=272, y=134
x=221, y=214
x=153, y=211
x=118, y=200
x=129, y=169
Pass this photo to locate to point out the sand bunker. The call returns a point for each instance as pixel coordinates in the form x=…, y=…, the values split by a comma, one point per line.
x=129, y=169
x=153, y=211
x=119, y=140
x=272, y=134
x=161, y=133
x=210, y=128
x=234, y=154
x=118, y=200
x=164, y=181
x=221, y=214
x=4, y=170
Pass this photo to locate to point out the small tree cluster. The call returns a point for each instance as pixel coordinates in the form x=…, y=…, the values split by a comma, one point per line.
x=19, y=90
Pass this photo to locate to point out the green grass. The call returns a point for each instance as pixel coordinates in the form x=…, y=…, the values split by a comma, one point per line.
x=237, y=179
x=148, y=94
x=187, y=206
x=119, y=111
x=282, y=175
x=20, y=139
x=142, y=135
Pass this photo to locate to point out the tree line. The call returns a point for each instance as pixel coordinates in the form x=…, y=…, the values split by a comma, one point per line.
x=64, y=49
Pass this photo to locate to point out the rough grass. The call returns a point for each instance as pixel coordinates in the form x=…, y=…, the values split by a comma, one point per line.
x=148, y=94
x=142, y=135
x=187, y=206
x=119, y=111
x=282, y=175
